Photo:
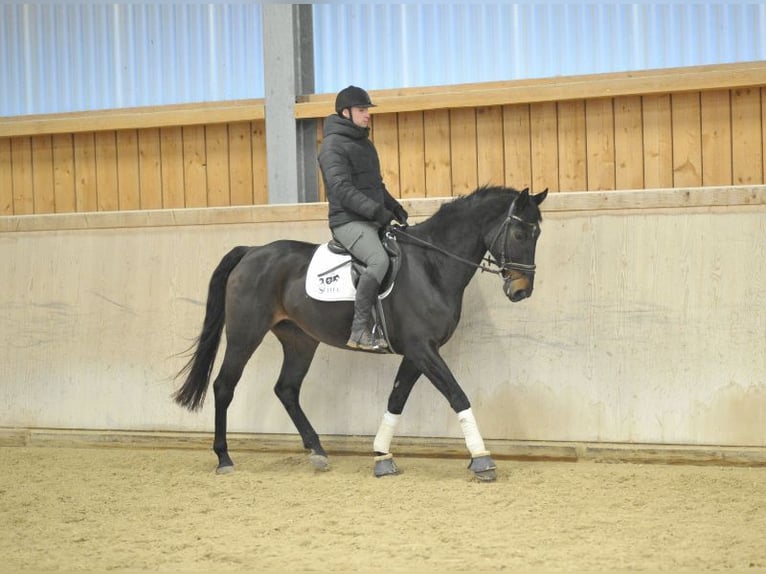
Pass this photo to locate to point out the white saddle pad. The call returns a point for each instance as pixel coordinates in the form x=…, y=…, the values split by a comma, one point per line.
x=329, y=277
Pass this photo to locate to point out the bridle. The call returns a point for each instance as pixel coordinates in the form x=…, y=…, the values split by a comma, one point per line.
x=506, y=264
x=503, y=267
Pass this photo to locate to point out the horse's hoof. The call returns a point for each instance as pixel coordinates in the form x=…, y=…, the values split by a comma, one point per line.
x=319, y=461
x=228, y=469
x=483, y=468
x=385, y=466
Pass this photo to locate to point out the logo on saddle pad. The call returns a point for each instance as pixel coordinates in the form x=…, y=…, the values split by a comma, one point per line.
x=330, y=276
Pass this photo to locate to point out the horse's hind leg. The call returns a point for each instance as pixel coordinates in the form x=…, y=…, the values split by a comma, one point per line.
x=238, y=352
x=406, y=377
x=299, y=351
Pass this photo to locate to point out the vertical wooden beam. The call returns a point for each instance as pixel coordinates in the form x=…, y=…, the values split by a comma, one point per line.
x=173, y=184
x=716, y=137
x=438, y=161
x=64, y=189
x=747, y=136
x=573, y=169
x=516, y=136
x=599, y=120
x=687, y=139
x=150, y=168
x=195, y=166
x=543, y=128
x=240, y=164
x=6, y=177
x=23, y=184
x=86, y=186
x=658, y=142
x=42, y=174
x=489, y=146
x=412, y=176
x=385, y=134
x=106, y=171
x=463, y=150
x=628, y=143
x=128, y=175
x=217, y=161
x=260, y=166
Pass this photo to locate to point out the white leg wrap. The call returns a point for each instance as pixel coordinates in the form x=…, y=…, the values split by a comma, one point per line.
x=382, y=440
x=473, y=439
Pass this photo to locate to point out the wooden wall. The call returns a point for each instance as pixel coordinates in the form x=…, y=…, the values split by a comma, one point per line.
x=688, y=127
x=148, y=158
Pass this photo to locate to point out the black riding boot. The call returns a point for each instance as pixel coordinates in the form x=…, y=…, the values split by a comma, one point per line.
x=361, y=333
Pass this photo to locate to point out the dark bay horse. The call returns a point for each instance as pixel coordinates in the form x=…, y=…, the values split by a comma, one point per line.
x=259, y=289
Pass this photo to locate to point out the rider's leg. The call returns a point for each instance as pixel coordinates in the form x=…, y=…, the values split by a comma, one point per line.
x=362, y=241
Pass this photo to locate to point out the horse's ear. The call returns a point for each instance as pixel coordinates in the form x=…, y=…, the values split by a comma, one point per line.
x=540, y=197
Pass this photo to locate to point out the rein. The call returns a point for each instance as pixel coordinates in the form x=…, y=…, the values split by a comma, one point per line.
x=481, y=267
x=503, y=266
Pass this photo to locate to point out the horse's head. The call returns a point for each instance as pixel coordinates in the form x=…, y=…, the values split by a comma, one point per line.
x=512, y=243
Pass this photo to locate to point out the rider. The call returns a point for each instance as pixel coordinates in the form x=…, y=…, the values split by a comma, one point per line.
x=359, y=203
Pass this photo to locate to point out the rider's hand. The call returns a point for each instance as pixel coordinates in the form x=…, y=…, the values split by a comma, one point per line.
x=383, y=217
x=400, y=214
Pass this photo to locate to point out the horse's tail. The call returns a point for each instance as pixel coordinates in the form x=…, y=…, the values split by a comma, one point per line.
x=192, y=393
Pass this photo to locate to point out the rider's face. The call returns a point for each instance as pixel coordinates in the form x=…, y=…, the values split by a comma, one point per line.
x=360, y=116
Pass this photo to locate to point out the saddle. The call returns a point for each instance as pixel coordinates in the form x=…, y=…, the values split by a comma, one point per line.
x=333, y=274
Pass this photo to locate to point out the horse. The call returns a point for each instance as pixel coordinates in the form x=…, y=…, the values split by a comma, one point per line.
x=255, y=290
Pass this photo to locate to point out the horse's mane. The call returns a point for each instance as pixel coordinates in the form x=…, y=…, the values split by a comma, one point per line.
x=486, y=202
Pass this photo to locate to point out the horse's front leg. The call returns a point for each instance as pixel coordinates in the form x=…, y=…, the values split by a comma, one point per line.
x=437, y=371
x=405, y=379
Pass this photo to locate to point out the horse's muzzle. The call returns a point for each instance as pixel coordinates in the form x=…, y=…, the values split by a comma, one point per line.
x=517, y=286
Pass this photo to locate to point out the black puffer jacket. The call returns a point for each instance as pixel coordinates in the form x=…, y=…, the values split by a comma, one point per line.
x=351, y=172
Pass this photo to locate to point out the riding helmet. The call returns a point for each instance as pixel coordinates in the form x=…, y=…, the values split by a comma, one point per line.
x=352, y=96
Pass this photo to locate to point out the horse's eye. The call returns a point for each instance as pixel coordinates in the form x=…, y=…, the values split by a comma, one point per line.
x=519, y=234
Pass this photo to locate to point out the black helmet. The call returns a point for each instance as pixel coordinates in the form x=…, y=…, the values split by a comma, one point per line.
x=352, y=96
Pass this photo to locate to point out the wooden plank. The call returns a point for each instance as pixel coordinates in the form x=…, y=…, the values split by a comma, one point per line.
x=489, y=146
x=195, y=174
x=437, y=153
x=658, y=142
x=599, y=121
x=648, y=82
x=628, y=143
x=543, y=128
x=412, y=175
x=64, y=189
x=106, y=171
x=571, y=126
x=150, y=168
x=747, y=136
x=86, y=186
x=6, y=177
x=385, y=135
x=23, y=185
x=260, y=174
x=135, y=118
x=716, y=137
x=217, y=160
x=463, y=151
x=128, y=172
x=726, y=199
x=171, y=149
x=763, y=133
x=516, y=140
x=687, y=139
x=240, y=164
x=42, y=174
